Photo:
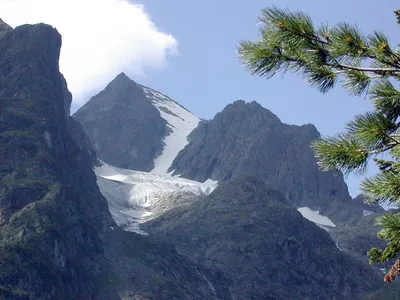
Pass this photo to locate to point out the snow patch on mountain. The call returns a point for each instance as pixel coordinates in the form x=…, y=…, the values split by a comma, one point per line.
x=125, y=214
x=130, y=194
x=337, y=246
x=314, y=216
x=180, y=121
x=367, y=213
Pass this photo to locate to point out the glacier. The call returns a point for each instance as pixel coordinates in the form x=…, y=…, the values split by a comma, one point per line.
x=132, y=195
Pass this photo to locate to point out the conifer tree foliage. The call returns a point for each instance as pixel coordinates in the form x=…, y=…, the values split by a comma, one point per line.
x=365, y=66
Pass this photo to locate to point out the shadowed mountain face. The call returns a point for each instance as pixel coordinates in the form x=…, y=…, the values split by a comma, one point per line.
x=261, y=248
x=124, y=127
x=53, y=219
x=57, y=237
x=246, y=138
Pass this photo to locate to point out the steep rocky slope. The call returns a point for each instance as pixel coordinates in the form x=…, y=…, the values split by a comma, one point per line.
x=53, y=219
x=135, y=127
x=57, y=237
x=261, y=248
x=246, y=138
x=124, y=127
x=59, y=241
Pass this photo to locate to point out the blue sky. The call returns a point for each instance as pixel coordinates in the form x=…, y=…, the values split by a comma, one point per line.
x=206, y=75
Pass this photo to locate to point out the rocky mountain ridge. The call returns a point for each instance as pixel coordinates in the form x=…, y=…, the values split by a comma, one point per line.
x=43, y=233
x=157, y=130
x=245, y=240
x=230, y=145
x=261, y=247
x=57, y=237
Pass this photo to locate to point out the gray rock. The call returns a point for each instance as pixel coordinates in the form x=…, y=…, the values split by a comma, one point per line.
x=252, y=241
x=246, y=138
x=124, y=127
x=82, y=140
x=360, y=202
x=50, y=206
x=57, y=237
x=4, y=28
x=359, y=237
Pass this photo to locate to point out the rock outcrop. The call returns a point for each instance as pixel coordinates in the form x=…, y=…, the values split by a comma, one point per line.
x=246, y=138
x=259, y=247
x=53, y=219
x=124, y=127
x=57, y=237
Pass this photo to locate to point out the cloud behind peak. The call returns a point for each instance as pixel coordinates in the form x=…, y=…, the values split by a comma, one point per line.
x=101, y=38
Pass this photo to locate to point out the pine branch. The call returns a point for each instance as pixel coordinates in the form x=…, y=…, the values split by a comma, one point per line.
x=382, y=150
x=385, y=186
x=341, y=152
x=386, y=98
x=373, y=70
x=393, y=272
x=397, y=14
x=373, y=130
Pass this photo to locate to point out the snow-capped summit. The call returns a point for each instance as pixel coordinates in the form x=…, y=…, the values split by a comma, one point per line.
x=135, y=127
x=137, y=132
x=180, y=121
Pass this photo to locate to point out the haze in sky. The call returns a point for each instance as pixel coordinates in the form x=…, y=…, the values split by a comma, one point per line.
x=187, y=50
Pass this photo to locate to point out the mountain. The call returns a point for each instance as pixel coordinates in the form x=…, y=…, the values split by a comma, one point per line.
x=246, y=138
x=262, y=246
x=4, y=28
x=243, y=139
x=58, y=239
x=50, y=206
x=92, y=211
x=135, y=127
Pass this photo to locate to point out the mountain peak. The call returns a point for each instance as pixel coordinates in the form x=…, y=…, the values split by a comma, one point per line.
x=122, y=76
x=252, y=113
x=122, y=80
x=4, y=27
x=252, y=107
x=122, y=144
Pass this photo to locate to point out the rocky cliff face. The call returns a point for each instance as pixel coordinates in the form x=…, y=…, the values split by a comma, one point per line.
x=259, y=247
x=244, y=241
x=126, y=130
x=57, y=237
x=80, y=138
x=246, y=138
x=53, y=219
x=4, y=27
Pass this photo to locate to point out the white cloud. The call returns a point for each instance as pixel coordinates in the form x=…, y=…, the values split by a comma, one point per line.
x=101, y=38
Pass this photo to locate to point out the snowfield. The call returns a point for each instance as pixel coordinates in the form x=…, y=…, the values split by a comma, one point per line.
x=314, y=216
x=130, y=194
x=179, y=120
